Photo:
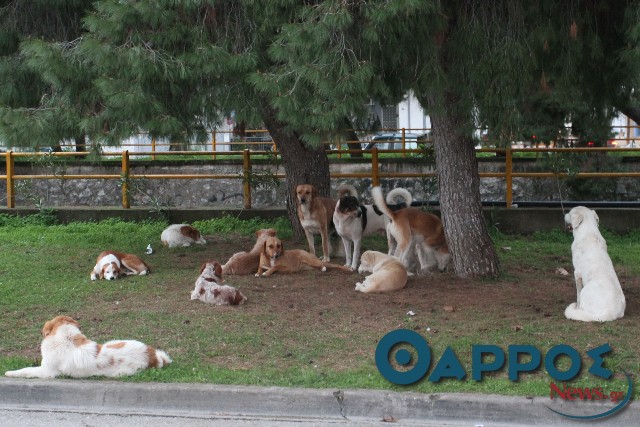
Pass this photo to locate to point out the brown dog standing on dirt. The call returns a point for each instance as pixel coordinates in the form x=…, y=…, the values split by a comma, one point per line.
x=315, y=214
x=275, y=259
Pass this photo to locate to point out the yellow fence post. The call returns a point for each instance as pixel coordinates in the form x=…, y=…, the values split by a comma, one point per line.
x=213, y=143
x=246, y=182
x=153, y=148
x=508, y=178
x=125, y=177
x=11, y=197
x=404, y=143
x=375, y=173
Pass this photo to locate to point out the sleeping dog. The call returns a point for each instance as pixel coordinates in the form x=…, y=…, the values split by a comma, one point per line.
x=111, y=264
x=353, y=221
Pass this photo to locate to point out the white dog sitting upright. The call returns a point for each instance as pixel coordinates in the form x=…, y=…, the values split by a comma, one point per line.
x=600, y=297
x=65, y=351
x=389, y=274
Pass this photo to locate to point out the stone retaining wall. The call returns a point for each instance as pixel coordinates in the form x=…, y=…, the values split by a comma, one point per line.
x=227, y=193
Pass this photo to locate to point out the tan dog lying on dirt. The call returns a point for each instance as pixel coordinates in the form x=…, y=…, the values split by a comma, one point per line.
x=389, y=274
x=275, y=259
x=247, y=262
x=315, y=214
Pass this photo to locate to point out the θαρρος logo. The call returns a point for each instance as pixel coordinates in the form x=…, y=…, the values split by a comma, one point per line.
x=490, y=358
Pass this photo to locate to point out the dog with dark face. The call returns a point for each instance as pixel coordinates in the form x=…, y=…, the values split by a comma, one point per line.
x=353, y=221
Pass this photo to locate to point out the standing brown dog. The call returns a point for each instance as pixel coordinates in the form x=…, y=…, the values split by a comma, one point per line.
x=275, y=259
x=315, y=214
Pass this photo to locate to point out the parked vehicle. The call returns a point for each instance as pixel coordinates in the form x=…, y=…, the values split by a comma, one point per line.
x=392, y=141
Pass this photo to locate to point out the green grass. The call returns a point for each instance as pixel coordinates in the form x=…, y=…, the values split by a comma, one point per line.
x=305, y=340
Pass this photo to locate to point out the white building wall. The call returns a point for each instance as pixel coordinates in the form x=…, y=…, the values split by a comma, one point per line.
x=412, y=116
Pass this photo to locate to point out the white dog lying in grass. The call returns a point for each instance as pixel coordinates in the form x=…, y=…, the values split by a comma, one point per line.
x=65, y=351
x=600, y=296
x=389, y=274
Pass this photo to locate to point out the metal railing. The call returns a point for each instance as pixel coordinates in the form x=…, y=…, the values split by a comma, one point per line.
x=375, y=174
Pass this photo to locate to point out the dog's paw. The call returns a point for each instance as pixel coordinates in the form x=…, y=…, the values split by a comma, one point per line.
x=325, y=259
x=324, y=268
x=93, y=277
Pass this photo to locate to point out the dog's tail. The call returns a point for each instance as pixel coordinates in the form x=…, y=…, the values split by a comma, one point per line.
x=574, y=313
x=402, y=193
x=157, y=358
x=378, y=200
x=347, y=190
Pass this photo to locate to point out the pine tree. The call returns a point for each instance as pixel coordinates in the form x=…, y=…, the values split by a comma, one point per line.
x=302, y=68
x=34, y=100
x=510, y=67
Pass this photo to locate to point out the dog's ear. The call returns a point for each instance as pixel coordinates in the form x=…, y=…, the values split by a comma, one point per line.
x=281, y=247
x=314, y=191
x=202, y=267
x=264, y=248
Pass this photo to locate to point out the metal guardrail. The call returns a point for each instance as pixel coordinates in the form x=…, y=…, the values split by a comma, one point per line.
x=375, y=174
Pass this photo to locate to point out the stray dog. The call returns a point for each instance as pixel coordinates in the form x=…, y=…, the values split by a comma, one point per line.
x=353, y=221
x=181, y=235
x=65, y=351
x=110, y=265
x=600, y=297
x=314, y=213
x=389, y=274
x=274, y=259
x=413, y=228
x=209, y=288
x=247, y=262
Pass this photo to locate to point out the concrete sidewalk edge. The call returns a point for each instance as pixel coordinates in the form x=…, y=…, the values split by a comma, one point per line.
x=210, y=400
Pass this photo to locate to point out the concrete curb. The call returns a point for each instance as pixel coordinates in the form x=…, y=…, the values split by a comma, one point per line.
x=215, y=401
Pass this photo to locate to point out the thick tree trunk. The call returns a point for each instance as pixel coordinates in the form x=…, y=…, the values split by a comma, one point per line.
x=302, y=164
x=459, y=182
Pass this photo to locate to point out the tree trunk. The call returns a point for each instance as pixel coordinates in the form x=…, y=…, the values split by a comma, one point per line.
x=352, y=137
x=80, y=144
x=302, y=164
x=459, y=183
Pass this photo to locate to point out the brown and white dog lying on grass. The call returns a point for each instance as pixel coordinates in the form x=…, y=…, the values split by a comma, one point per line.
x=247, y=262
x=274, y=259
x=209, y=288
x=111, y=264
x=184, y=235
x=389, y=274
x=65, y=351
